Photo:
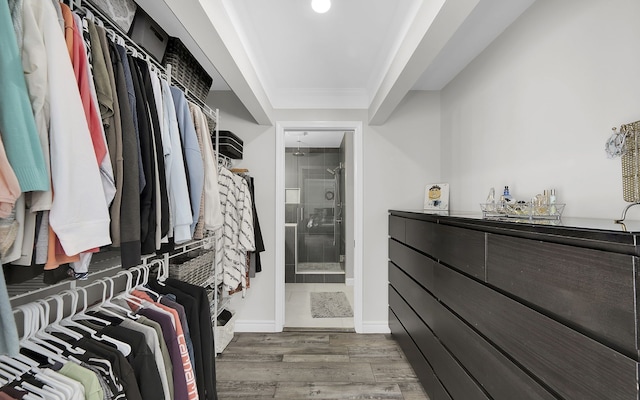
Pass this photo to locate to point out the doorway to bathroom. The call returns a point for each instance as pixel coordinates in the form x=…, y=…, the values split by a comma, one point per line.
x=315, y=205
x=318, y=247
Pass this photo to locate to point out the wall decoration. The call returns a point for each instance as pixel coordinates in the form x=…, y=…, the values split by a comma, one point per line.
x=436, y=197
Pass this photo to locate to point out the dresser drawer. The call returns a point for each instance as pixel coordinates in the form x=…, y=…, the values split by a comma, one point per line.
x=499, y=376
x=592, y=290
x=460, y=248
x=414, y=356
x=397, y=227
x=571, y=364
x=417, y=265
x=452, y=375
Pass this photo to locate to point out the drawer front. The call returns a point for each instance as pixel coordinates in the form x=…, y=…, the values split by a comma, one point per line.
x=460, y=248
x=454, y=378
x=420, y=366
x=571, y=364
x=417, y=265
x=397, y=226
x=501, y=378
x=439, y=392
x=590, y=289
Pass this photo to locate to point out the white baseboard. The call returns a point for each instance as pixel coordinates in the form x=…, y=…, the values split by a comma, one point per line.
x=255, y=326
x=349, y=281
x=270, y=327
x=375, y=327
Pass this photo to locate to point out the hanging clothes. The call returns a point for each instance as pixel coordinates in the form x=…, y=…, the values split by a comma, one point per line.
x=9, y=185
x=210, y=216
x=8, y=330
x=31, y=45
x=194, y=164
x=17, y=124
x=198, y=309
x=161, y=227
x=147, y=196
x=89, y=100
x=187, y=366
x=236, y=237
x=256, y=265
x=74, y=171
x=153, y=342
x=126, y=214
x=178, y=188
x=88, y=92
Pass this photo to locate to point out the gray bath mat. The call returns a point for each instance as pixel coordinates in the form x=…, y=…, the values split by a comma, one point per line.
x=330, y=305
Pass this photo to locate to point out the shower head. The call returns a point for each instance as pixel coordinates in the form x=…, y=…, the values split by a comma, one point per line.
x=335, y=170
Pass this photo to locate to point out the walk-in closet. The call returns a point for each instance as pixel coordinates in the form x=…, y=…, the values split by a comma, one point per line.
x=327, y=199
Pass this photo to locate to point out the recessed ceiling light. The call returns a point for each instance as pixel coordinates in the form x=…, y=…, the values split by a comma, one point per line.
x=321, y=6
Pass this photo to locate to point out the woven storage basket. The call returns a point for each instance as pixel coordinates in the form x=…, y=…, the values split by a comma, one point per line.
x=631, y=163
x=224, y=334
x=186, y=69
x=196, y=270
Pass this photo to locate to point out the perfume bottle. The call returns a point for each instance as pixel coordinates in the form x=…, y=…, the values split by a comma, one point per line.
x=507, y=196
x=491, y=200
x=552, y=202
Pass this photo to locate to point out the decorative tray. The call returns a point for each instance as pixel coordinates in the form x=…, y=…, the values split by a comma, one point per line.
x=522, y=210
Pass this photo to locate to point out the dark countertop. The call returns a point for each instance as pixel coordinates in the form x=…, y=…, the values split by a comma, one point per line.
x=595, y=233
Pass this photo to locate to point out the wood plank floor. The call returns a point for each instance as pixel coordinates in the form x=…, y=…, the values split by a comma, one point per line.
x=315, y=365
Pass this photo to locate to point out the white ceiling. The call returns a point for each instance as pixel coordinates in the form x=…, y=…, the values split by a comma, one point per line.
x=362, y=54
x=310, y=60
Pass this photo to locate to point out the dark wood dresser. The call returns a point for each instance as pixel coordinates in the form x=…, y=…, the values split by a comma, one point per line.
x=509, y=310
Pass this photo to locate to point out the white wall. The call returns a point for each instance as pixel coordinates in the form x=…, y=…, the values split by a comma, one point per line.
x=533, y=111
x=400, y=158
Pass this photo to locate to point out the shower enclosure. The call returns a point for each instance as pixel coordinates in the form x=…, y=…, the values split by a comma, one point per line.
x=314, y=212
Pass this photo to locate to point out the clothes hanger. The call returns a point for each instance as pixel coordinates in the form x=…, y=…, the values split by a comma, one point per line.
x=47, y=337
x=10, y=373
x=111, y=34
x=45, y=392
x=141, y=281
x=18, y=361
x=106, y=302
x=46, y=342
x=126, y=295
x=132, y=50
x=42, y=313
x=147, y=272
x=55, y=326
x=30, y=327
x=93, y=318
x=30, y=374
x=123, y=347
x=163, y=272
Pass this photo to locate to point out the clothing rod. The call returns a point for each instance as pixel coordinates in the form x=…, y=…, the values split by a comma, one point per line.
x=113, y=26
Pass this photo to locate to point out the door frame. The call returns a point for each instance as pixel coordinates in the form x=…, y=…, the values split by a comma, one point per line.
x=280, y=295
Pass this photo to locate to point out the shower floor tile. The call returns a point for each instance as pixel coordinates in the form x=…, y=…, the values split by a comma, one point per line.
x=320, y=268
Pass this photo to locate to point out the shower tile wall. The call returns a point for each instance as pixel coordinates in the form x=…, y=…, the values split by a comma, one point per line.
x=314, y=215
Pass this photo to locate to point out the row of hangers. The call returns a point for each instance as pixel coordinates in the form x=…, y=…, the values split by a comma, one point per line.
x=38, y=328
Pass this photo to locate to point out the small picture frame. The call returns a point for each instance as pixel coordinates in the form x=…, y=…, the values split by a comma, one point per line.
x=436, y=197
